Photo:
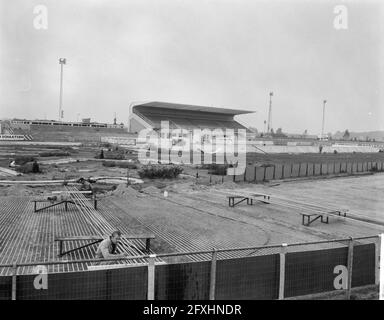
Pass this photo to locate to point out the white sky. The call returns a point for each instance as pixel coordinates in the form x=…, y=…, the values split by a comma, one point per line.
x=213, y=53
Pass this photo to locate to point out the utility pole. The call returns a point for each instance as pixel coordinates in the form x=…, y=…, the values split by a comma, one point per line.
x=322, y=127
x=62, y=62
x=270, y=112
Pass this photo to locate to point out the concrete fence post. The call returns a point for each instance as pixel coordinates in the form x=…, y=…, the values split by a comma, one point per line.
x=274, y=172
x=350, y=267
x=212, y=278
x=151, y=277
x=377, y=260
x=283, y=251
x=299, y=170
x=14, y=281
x=381, y=266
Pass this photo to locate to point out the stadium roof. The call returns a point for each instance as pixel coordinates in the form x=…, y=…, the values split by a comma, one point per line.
x=178, y=106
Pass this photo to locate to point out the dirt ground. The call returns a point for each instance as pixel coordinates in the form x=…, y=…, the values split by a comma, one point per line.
x=190, y=214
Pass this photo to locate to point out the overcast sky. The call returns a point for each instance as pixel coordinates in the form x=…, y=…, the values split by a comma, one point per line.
x=213, y=53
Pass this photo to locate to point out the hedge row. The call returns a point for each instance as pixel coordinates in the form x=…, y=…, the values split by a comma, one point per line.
x=160, y=171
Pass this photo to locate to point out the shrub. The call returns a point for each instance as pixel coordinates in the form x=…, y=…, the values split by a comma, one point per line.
x=114, y=155
x=54, y=154
x=109, y=163
x=374, y=169
x=217, y=169
x=21, y=160
x=119, y=164
x=160, y=171
x=30, y=167
x=100, y=155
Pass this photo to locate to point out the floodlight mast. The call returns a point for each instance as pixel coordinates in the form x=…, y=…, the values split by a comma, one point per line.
x=62, y=62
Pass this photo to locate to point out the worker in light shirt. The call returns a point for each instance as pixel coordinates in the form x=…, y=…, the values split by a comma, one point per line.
x=107, y=248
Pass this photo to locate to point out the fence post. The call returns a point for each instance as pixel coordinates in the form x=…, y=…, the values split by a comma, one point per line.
x=14, y=283
x=212, y=279
x=377, y=259
x=151, y=277
x=282, y=172
x=299, y=170
x=381, y=292
x=350, y=266
x=306, y=170
x=282, y=270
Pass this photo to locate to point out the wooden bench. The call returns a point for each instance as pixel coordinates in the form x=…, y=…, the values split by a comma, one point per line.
x=249, y=199
x=266, y=197
x=323, y=216
x=97, y=239
x=54, y=203
x=232, y=203
x=308, y=217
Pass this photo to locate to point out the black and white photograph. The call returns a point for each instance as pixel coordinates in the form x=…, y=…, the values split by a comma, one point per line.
x=204, y=152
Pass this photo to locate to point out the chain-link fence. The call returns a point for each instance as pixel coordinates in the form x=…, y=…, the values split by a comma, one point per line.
x=266, y=272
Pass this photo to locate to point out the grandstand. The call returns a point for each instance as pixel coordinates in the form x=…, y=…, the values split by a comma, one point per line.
x=60, y=131
x=182, y=116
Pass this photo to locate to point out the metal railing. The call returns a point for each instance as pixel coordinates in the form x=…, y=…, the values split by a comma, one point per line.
x=260, y=272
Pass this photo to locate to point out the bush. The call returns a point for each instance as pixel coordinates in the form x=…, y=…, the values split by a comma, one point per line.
x=55, y=154
x=374, y=169
x=109, y=163
x=30, y=167
x=216, y=169
x=114, y=155
x=160, y=171
x=21, y=160
x=119, y=164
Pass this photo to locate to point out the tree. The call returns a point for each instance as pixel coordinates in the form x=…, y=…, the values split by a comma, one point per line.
x=305, y=132
x=279, y=131
x=346, y=135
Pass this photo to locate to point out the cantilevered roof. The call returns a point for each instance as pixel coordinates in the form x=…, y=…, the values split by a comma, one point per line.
x=178, y=106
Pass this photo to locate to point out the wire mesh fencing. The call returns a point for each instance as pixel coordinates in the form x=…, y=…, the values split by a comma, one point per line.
x=266, y=272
